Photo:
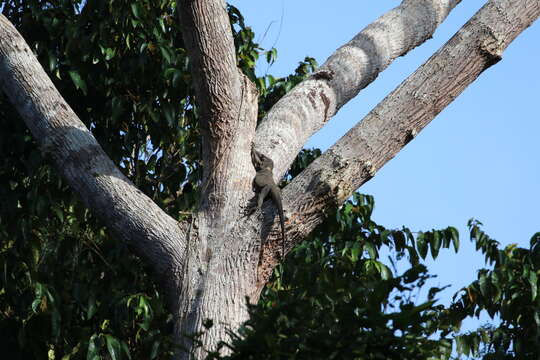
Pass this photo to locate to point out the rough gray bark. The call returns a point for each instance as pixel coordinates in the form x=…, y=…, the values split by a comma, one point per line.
x=227, y=102
x=219, y=257
x=376, y=139
x=352, y=67
x=219, y=272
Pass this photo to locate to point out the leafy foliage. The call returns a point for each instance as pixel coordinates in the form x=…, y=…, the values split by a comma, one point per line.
x=69, y=290
x=334, y=298
x=509, y=292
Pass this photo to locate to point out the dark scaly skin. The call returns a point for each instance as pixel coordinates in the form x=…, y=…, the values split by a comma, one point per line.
x=264, y=184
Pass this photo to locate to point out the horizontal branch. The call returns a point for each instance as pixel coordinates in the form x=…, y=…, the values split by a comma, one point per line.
x=355, y=158
x=307, y=107
x=76, y=154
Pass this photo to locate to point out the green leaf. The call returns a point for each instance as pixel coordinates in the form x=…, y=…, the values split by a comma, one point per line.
x=113, y=347
x=55, y=313
x=176, y=78
x=399, y=240
x=386, y=274
x=271, y=80
x=58, y=212
x=78, y=81
x=92, y=308
x=155, y=350
x=53, y=60
x=271, y=55
x=455, y=237
x=483, y=281
x=38, y=295
x=143, y=47
x=435, y=244
x=533, y=280
x=125, y=349
x=109, y=53
x=93, y=351
x=372, y=251
x=170, y=72
x=421, y=245
x=162, y=25
x=413, y=255
x=166, y=54
x=355, y=251
x=261, y=84
x=136, y=9
x=537, y=318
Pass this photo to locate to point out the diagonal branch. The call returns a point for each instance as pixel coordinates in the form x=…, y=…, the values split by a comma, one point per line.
x=352, y=67
x=227, y=100
x=355, y=158
x=62, y=136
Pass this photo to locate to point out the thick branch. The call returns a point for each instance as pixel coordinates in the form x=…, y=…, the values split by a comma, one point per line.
x=355, y=158
x=207, y=34
x=306, y=108
x=227, y=100
x=125, y=210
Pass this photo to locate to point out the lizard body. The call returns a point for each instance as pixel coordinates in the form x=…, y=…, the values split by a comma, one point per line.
x=264, y=184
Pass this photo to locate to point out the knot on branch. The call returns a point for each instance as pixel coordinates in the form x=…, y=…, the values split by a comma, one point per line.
x=491, y=47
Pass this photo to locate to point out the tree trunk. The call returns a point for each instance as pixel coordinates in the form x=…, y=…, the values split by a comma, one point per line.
x=216, y=303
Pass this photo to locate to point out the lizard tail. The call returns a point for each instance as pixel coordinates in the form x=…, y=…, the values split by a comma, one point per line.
x=276, y=197
x=282, y=237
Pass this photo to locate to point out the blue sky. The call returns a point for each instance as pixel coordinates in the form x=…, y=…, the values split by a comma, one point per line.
x=478, y=158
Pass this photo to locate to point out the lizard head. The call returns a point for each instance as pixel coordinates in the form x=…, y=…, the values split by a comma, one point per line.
x=261, y=161
x=264, y=162
x=267, y=163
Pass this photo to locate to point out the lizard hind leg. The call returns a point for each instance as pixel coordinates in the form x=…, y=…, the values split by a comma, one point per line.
x=264, y=191
x=257, y=201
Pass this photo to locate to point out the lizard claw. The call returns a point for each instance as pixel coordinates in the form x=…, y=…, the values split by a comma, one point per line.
x=250, y=208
